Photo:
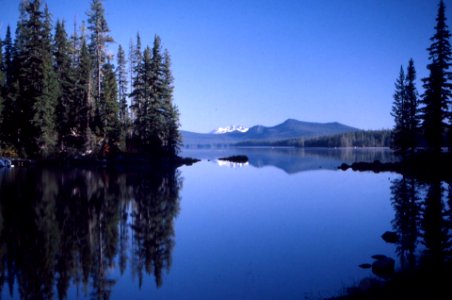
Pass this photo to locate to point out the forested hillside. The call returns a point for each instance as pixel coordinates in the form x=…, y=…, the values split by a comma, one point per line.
x=65, y=94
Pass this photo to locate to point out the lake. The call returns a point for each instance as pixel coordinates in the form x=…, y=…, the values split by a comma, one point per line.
x=285, y=225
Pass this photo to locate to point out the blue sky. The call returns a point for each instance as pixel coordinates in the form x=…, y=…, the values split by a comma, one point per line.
x=249, y=62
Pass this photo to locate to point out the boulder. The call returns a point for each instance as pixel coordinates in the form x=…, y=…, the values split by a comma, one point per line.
x=390, y=237
x=383, y=267
x=365, y=266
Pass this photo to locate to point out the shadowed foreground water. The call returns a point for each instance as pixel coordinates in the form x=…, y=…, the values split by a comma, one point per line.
x=211, y=230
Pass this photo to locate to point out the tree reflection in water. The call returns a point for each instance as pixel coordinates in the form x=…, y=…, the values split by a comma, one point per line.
x=422, y=215
x=72, y=227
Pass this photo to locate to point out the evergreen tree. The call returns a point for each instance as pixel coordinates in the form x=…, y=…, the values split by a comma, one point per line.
x=400, y=113
x=436, y=98
x=121, y=74
x=405, y=112
x=172, y=138
x=10, y=109
x=37, y=82
x=66, y=108
x=140, y=95
x=412, y=102
x=135, y=68
x=84, y=98
x=109, y=106
x=97, y=25
x=2, y=88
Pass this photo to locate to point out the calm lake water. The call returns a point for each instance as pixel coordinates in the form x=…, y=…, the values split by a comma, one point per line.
x=286, y=225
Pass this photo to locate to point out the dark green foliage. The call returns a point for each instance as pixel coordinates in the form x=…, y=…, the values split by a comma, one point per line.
x=8, y=126
x=2, y=87
x=405, y=112
x=38, y=87
x=156, y=119
x=84, y=100
x=66, y=109
x=108, y=108
x=436, y=98
x=99, y=38
x=362, y=138
x=172, y=138
x=59, y=95
x=121, y=75
x=412, y=97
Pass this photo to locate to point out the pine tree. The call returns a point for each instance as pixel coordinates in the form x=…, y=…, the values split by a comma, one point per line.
x=37, y=81
x=436, y=98
x=135, y=69
x=400, y=113
x=121, y=74
x=172, y=135
x=141, y=96
x=412, y=107
x=97, y=25
x=84, y=99
x=2, y=89
x=66, y=108
x=11, y=116
x=109, y=106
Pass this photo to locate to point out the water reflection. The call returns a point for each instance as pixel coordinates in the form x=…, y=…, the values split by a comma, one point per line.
x=75, y=227
x=295, y=160
x=422, y=233
x=422, y=215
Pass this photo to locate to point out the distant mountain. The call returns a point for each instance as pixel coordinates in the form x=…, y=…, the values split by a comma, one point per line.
x=232, y=128
x=289, y=129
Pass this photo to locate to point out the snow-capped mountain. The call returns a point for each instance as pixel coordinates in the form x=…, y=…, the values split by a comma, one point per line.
x=229, y=129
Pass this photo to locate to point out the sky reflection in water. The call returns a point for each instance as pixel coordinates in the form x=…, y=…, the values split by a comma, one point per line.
x=212, y=232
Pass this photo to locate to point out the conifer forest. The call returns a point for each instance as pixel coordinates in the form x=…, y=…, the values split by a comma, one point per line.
x=64, y=94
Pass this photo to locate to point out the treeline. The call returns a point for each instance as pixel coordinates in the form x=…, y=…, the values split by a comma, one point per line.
x=362, y=138
x=425, y=120
x=63, y=95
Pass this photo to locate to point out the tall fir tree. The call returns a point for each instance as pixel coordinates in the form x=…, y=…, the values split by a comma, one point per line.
x=436, y=98
x=412, y=103
x=2, y=89
x=400, y=113
x=66, y=108
x=10, y=113
x=121, y=75
x=172, y=135
x=84, y=98
x=37, y=82
x=109, y=107
x=140, y=95
x=99, y=38
x=135, y=69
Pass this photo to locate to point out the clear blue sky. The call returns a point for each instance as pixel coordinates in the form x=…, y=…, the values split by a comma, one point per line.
x=254, y=62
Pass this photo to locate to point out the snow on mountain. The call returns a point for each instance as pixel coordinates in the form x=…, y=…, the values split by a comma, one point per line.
x=232, y=128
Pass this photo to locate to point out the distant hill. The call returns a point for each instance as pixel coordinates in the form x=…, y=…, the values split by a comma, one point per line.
x=289, y=129
x=362, y=138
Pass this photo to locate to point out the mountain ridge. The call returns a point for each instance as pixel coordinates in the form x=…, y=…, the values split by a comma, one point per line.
x=289, y=129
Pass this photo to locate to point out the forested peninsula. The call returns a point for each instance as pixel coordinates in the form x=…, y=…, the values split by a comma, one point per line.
x=64, y=95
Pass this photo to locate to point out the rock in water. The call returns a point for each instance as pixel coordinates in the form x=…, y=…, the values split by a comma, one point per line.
x=365, y=266
x=383, y=267
x=390, y=237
